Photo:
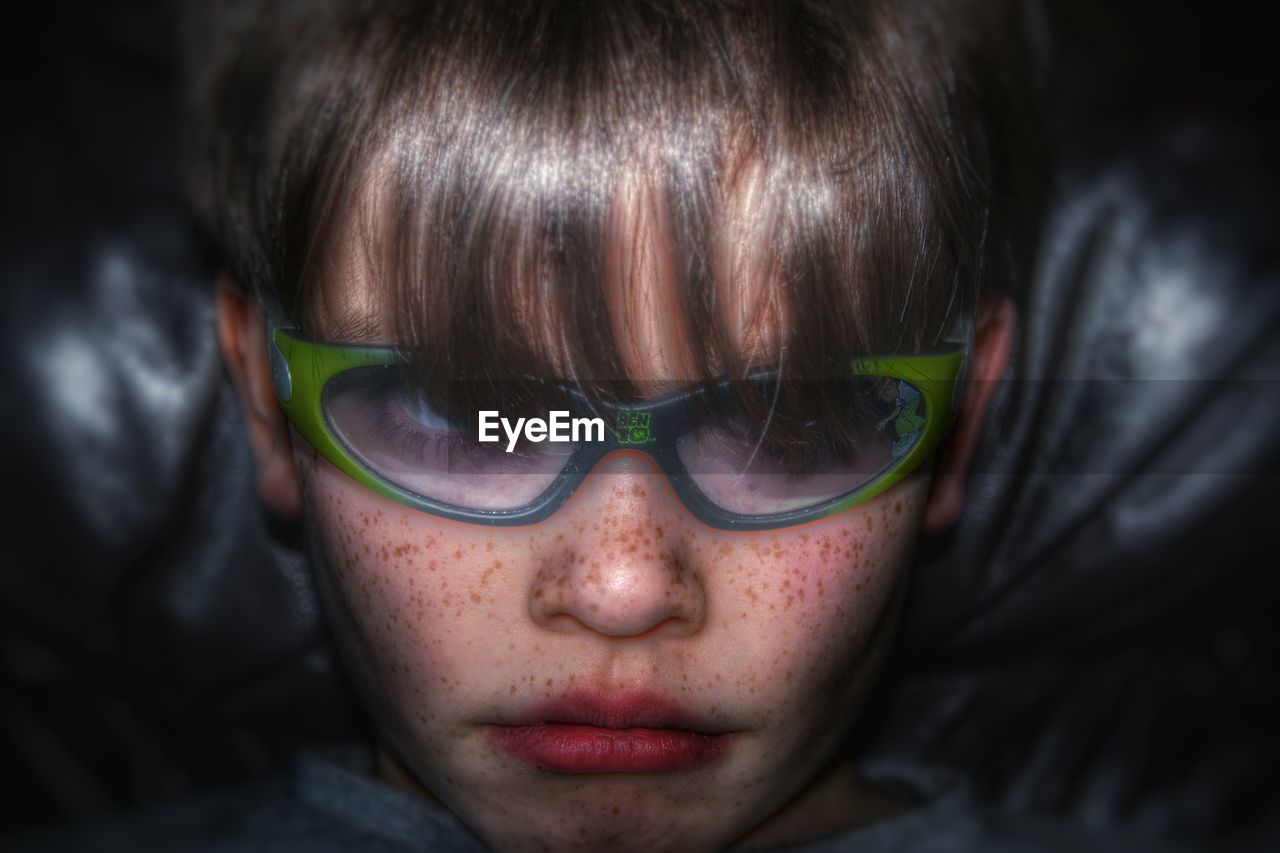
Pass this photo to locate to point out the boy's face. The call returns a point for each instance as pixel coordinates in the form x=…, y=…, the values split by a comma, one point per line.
x=618, y=674
x=745, y=656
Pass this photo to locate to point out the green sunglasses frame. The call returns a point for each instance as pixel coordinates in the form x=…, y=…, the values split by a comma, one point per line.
x=301, y=368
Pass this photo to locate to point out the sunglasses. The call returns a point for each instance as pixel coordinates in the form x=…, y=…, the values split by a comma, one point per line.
x=716, y=443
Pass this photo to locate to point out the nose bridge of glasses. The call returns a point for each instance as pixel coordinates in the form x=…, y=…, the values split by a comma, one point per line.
x=629, y=473
x=623, y=461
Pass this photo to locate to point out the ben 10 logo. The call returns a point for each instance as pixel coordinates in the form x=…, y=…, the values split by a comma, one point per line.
x=633, y=428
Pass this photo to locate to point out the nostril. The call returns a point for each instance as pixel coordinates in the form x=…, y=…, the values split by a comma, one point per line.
x=671, y=626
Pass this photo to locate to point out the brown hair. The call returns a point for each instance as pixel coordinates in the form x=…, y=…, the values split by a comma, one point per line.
x=489, y=143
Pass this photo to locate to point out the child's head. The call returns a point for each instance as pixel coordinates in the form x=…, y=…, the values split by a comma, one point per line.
x=632, y=199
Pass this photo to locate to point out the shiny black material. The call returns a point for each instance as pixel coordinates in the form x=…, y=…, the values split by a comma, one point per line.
x=1096, y=639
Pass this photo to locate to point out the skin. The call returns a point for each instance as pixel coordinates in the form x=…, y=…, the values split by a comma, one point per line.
x=776, y=636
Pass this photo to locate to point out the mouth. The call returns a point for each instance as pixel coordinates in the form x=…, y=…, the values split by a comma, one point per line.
x=588, y=732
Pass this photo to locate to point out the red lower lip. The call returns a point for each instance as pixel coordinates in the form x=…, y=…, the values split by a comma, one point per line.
x=572, y=748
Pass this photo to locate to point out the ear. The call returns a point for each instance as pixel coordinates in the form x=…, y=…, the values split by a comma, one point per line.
x=242, y=336
x=992, y=343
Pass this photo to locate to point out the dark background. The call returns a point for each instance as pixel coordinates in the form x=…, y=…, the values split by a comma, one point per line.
x=159, y=632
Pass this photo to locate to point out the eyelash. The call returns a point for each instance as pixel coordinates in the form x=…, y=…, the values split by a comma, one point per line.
x=397, y=429
x=415, y=443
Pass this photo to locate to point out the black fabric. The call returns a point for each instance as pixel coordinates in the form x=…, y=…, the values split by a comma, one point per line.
x=1097, y=635
x=160, y=631
x=333, y=804
x=1095, y=640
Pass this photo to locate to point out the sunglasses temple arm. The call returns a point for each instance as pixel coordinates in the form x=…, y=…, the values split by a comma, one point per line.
x=962, y=334
x=281, y=378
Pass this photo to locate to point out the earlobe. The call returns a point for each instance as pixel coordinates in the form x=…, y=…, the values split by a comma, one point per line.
x=992, y=345
x=242, y=336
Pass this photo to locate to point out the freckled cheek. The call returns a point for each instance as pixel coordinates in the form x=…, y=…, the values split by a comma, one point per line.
x=812, y=598
x=391, y=625
x=417, y=610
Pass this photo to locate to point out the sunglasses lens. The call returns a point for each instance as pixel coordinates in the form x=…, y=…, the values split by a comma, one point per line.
x=414, y=444
x=770, y=462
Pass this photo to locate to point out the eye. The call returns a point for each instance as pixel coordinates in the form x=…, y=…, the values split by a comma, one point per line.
x=423, y=412
x=402, y=436
x=808, y=451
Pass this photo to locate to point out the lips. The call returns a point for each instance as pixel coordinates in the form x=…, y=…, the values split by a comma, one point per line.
x=611, y=733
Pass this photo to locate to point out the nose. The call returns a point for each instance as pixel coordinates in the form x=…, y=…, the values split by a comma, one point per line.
x=617, y=563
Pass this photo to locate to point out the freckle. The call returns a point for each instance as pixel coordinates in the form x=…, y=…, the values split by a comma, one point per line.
x=488, y=546
x=475, y=598
x=457, y=555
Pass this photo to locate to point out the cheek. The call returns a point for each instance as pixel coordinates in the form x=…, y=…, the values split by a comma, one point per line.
x=808, y=607
x=409, y=596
